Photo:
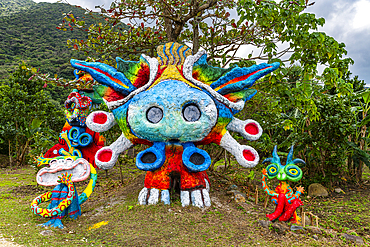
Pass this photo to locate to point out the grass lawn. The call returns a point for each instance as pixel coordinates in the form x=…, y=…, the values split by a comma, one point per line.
x=112, y=217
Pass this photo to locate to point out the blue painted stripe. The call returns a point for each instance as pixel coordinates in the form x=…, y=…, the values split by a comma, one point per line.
x=171, y=51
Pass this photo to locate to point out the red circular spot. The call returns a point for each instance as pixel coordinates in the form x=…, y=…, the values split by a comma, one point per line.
x=251, y=128
x=105, y=155
x=248, y=155
x=100, y=118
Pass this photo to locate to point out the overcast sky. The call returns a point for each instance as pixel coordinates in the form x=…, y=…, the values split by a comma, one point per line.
x=348, y=21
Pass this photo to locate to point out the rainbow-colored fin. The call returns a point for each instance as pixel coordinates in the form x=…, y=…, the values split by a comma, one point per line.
x=106, y=75
x=137, y=72
x=108, y=93
x=238, y=79
x=244, y=95
x=207, y=73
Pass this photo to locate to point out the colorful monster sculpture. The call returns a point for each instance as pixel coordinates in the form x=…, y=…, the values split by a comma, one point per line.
x=76, y=139
x=62, y=173
x=174, y=103
x=286, y=201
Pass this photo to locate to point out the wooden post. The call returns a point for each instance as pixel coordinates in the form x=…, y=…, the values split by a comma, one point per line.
x=10, y=155
x=303, y=218
x=267, y=199
x=256, y=195
x=317, y=221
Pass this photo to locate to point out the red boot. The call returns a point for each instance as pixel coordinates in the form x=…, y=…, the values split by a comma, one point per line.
x=279, y=208
x=290, y=210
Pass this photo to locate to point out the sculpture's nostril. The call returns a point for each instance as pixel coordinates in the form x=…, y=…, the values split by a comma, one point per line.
x=174, y=140
x=148, y=158
x=197, y=159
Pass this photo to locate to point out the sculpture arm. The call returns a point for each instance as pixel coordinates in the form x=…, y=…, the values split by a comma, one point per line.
x=265, y=187
x=297, y=194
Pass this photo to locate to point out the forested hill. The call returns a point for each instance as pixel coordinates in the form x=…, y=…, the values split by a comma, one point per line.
x=9, y=7
x=31, y=36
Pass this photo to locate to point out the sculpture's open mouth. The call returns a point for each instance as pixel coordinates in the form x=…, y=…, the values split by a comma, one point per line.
x=80, y=170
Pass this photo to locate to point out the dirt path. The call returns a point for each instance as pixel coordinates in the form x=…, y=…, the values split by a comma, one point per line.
x=6, y=243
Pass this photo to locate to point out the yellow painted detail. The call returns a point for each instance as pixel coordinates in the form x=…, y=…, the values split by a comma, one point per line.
x=160, y=53
x=182, y=53
x=284, y=187
x=177, y=59
x=171, y=72
x=71, y=149
x=223, y=131
x=170, y=56
x=188, y=52
x=89, y=188
x=98, y=225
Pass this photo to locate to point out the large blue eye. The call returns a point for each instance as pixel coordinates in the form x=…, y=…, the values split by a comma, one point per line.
x=191, y=113
x=272, y=170
x=154, y=114
x=293, y=172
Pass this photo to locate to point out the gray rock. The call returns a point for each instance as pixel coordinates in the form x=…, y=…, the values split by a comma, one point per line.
x=280, y=228
x=239, y=197
x=338, y=190
x=47, y=232
x=307, y=220
x=317, y=190
x=353, y=238
x=265, y=223
x=314, y=230
x=295, y=227
x=231, y=192
x=233, y=187
x=315, y=237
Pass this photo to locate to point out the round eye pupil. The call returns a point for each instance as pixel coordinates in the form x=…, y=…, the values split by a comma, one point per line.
x=74, y=134
x=154, y=114
x=191, y=113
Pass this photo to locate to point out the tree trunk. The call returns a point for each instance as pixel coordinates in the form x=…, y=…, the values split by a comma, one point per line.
x=195, y=37
x=10, y=154
x=362, y=147
x=195, y=31
x=22, y=155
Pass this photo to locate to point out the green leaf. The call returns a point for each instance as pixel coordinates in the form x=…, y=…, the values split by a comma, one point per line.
x=36, y=123
x=365, y=96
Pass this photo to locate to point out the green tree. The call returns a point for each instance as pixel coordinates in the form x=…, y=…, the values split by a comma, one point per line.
x=296, y=104
x=25, y=110
x=132, y=27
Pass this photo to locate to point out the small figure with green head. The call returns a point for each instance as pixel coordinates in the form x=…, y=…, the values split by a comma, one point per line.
x=286, y=201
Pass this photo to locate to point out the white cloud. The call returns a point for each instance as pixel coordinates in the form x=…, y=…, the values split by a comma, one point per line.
x=361, y=20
